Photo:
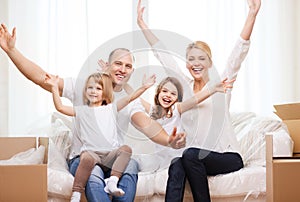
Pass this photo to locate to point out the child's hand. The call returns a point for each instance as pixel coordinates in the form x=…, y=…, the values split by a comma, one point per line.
x=148, y=82
x=177, y=140
x=51, y=80
x=225, y=85
x=103, y=66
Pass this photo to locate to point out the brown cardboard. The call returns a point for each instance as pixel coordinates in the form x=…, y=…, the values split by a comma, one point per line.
x=290, y=115
x=282, y=176
x=22, y=182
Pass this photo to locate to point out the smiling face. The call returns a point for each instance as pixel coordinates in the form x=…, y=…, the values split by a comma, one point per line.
x=168, y=92
x=93, y=92
x=98, y=90
x=198, y=60
x=121, y=68
x=168, y=95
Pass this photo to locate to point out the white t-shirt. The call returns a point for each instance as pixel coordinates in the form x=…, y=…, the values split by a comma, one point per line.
x=97, y=127
x=163, y=155
x=73, y=91
x=208, y=125
x=166, y=154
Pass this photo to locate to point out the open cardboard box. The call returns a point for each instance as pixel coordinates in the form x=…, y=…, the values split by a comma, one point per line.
x=22, y=182
x=290, y=115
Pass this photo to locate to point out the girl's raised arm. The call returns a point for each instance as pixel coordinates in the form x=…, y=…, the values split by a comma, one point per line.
x=53, y=82
x=147, y=83
x=203, y=94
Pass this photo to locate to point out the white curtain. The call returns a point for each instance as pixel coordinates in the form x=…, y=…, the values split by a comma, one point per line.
x=59, y=35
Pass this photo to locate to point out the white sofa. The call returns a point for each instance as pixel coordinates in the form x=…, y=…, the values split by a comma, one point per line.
x=247, y=184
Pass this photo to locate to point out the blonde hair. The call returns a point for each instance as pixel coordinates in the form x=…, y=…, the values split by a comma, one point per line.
x=105, y=81
x=157, y=112
x=200, y=45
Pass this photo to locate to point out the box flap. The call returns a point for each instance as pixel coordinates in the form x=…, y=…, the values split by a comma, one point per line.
x=45, y=141
x=10, y=146
x=288, y=111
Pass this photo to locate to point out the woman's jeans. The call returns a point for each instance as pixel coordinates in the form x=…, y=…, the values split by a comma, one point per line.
x=195, y=165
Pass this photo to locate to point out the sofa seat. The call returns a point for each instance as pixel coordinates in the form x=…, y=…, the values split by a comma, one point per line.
x=248, y=184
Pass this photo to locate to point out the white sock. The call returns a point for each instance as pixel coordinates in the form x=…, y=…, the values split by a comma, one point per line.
x=111, y=186
x=76, y=196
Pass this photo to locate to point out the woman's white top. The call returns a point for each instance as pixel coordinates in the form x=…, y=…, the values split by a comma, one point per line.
x=208, y=125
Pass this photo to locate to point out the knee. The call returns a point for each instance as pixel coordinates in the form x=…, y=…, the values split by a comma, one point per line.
x=239, y=161
x=190, y=154
x=73, y=165
x=176, y=164
x=87, y=158
x=126, y=149
x=129, y=178
x=95, y=179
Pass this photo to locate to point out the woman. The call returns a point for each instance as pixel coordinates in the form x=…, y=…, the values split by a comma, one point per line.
x=221, y=153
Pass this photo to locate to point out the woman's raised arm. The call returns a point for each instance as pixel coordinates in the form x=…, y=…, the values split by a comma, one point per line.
x=254, y=6
x=150, y=37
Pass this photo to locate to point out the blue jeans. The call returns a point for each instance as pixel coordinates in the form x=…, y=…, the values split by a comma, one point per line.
x=94, y=189
x=195, y=165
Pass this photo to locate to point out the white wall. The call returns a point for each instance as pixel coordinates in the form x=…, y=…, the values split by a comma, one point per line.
x=162, y=15
x=3, y=77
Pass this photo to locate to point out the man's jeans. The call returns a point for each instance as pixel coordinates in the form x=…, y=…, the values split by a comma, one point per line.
x=94, y=189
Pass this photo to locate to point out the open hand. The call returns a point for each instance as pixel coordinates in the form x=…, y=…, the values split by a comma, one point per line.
x=7, y=40
x=103, y=66
x=254, y=6
x=51, y=80
x=140, y=12
x=148, y=82
x=225, y=85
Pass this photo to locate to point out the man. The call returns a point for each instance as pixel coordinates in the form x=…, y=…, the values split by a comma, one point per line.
x=120, y=67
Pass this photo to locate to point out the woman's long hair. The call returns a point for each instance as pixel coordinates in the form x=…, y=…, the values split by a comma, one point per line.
x=158, y=111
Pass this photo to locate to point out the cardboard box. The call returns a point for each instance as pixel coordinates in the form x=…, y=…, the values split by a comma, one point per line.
x=290, y=115
x=282, y=174
x=22, y=182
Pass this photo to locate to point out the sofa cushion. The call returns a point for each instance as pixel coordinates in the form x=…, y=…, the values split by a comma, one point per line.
x=251, y=130
x=61, y=134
